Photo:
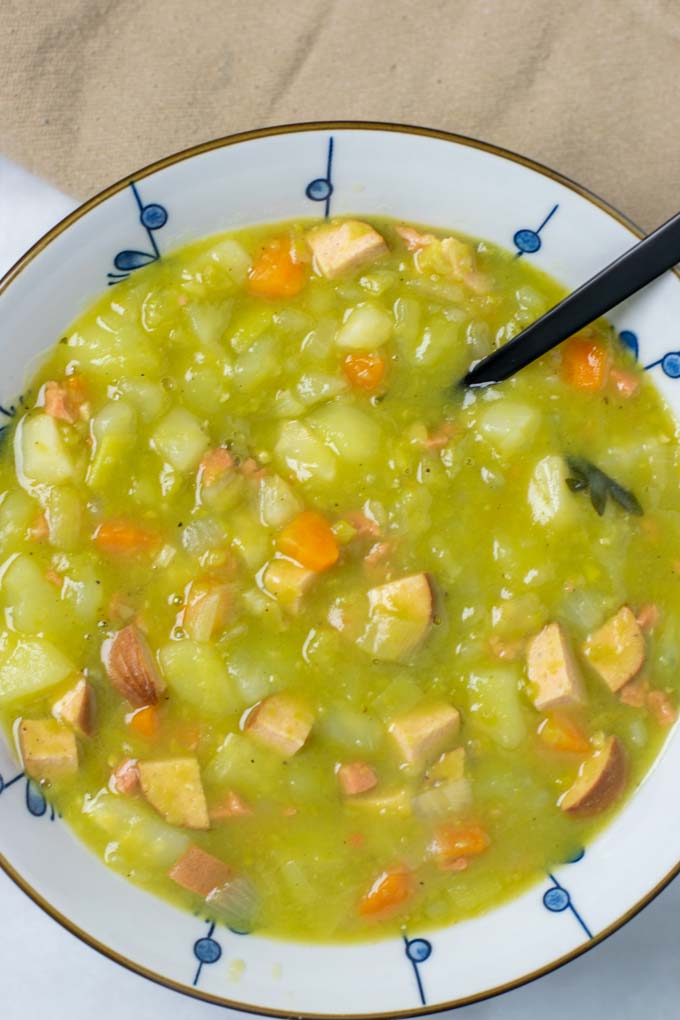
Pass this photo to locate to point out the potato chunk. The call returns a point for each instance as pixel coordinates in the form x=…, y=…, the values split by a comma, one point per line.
x=617, y=650
x=553, y=670
x=601, y=781
x=174, y=788
x=199, y=872
x=356, y=777
x=399, y=617
x=131, y=667
x=288, y=582
x=281, y=722
x=425, y=731
x=341, y=247
x=49, y=750
x=76, y=708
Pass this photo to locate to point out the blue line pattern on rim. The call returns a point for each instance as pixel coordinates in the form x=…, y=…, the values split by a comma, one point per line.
x=206, y=950
x=669, y=362
x=9, y=412
x=321, y=188
x=528, y=241
x=34, y=799
x=557, y=899
x=418, y=951
x=152, y=217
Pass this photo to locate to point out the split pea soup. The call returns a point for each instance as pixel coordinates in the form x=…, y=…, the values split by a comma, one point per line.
x=297, y=636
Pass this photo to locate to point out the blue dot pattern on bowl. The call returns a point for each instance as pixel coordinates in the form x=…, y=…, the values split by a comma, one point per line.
x=418, y=951
x=35, y=802
x=206, y=950
x=527, y=241
x=321, y=188
x=152, y=217
x=557, y=899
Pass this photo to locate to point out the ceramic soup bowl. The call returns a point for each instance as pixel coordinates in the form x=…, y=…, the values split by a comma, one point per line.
x=321, y=170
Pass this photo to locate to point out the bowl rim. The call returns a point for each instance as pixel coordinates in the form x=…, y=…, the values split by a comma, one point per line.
x=7, y=279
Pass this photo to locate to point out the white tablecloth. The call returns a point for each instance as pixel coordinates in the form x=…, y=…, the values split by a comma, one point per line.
x=47, y=974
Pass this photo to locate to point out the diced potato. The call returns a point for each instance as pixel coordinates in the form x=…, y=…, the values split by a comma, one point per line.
x=233, y=257
x=199, y=872
x=356, y=777
x=139, y=831
x=249, y=538
x=230, y=806
x=76, y=708
x=149, y=399
x=400, y=615
x=17, y=512
x=64, y=511
x=300, y=451
x=601, y=781
x=508, y=424
x=616, y=651
x=180, y=440
x=349, y=432
x=114, y=429
x=425, y=731
x=450, y=797
x=131, y=667
x=343, y=247
x=367, y=327
x=29, y=666
x=450, y=766
x=48, y=750
x=281, y=722
x=31, y=600
x=197, y=675
x=351, y=729
x=287, y=581
x=258, y=365
x=549, y=497
x=316, y=387
x=174, y=789
x=552, y=670
x=41, y=452
x=277, y=501
x=235, y=902
x=494, y=705
x=384, y=802
x=207, y=610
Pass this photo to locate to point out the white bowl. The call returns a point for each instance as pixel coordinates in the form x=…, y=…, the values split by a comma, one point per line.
x=276, y=174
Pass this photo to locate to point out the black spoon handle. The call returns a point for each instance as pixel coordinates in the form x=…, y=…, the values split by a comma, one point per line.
x=623, y=277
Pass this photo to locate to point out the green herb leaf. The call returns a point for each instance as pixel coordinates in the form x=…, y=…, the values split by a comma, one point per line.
x=588, y=477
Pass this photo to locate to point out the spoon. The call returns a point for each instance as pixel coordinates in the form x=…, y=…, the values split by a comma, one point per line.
x=625, y=276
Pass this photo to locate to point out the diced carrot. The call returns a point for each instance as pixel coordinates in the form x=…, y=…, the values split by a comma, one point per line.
x=145, y=722
x=559, y=731
x=39, y=529
x=662, y=708
x=625, y=383
x=275, y=273
x=356, y=777
x=364, y=371
x=451, y=842
x=124, y=538
x=585, y=363
x=648, y=616
x=214, y=464
x=54, y=578
x=308, y=538
x=390, y=890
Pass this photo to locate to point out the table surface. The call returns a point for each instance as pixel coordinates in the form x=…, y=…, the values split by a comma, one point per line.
x=633, y=975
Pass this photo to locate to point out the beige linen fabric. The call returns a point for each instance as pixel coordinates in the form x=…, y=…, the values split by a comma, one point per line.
x=93, y=89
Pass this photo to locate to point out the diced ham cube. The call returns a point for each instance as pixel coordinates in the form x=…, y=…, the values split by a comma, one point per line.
x=48, y=750
x=625, y=383
x=617, y=650
x=214, y=464
x=76, y=708
x=425, y=731
x=648, y=616
x=199, y=872
x=553, y=670
x=287, y=582
x=281, y=722
x=207, y=609
x=125, y=778
x=341, y=247
x=131, y=667
x=600, y=781
x=661, y=707
x=634, y=694
x=356, y=777
x=413, y=238
x=231, y=806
